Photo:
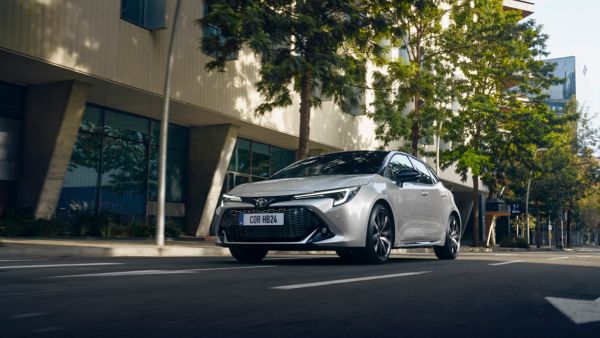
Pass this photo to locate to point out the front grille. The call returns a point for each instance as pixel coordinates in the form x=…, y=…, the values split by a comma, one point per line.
x=297, y=225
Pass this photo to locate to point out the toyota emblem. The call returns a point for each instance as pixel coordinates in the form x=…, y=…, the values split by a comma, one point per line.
x=261, y=202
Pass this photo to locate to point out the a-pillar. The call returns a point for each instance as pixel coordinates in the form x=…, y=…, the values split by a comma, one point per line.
x=52, y=116
x=210, y=151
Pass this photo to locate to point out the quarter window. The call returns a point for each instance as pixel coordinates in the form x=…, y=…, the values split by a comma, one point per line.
x=425, y=175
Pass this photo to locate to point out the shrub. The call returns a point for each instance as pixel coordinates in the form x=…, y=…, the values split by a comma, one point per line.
x=514, y=243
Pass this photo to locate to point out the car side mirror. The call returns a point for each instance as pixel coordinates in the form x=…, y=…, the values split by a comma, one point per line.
x=407, y=175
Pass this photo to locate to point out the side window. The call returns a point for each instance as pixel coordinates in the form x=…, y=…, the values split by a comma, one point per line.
x=397, y=164
x=148, y=14
x=425, y=174
x=214, y=33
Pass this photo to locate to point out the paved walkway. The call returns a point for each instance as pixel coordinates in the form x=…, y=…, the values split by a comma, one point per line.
x=190, y=247
x=107, y=247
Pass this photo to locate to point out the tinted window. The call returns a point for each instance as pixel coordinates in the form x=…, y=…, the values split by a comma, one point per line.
x=425, y=175
x=149, y=14
x=396, y=165
x=348, y=163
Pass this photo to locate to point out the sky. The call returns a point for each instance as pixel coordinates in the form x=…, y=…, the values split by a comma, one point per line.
x=573, y=27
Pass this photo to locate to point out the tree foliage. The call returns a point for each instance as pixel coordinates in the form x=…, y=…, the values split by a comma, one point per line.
x=495, y=124
x=413, y=92
x=303, y=46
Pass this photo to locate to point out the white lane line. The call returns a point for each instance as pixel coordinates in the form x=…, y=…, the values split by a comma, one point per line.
x=28, y=315
x=157, y=272
x=505, y=263
x=557, y=258
x=55, y=265
x=348, y=280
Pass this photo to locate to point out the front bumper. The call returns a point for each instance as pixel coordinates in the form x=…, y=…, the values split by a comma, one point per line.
x=308, y=225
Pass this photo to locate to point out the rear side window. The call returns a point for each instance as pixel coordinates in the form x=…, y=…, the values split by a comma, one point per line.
x=425, y=174
x=397, y=164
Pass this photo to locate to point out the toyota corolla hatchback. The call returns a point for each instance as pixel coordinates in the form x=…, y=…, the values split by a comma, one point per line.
x=359, y=203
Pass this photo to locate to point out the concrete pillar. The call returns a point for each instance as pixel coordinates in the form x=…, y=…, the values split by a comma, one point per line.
x=52, y=117
x=210, y=150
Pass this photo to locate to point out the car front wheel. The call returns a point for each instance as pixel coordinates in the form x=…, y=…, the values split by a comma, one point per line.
x=452, y=243
x=248, y=254
x=379, y=239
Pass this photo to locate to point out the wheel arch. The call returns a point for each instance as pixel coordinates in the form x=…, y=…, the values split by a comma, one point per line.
x=387, y=205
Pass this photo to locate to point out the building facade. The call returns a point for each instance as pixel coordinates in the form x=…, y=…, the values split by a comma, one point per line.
x=81, y=86
x=560, y=94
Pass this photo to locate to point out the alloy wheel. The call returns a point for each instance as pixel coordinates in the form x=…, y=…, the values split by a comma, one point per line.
x=381, y=233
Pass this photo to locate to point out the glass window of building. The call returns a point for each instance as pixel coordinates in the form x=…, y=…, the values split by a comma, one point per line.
x=12, y=108
x=254, y=161
x=214, y=33
x=113, y=167
x=148, y=14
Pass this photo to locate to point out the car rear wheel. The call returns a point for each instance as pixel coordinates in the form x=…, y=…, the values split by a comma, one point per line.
x=379, y=239
x=248, y=254
x=452, y=244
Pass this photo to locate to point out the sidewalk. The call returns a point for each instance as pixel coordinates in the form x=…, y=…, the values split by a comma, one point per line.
x=186, y=247
x=45, y=247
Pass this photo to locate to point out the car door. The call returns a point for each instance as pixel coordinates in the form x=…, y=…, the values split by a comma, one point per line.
x=408, y=202
x=431, y=202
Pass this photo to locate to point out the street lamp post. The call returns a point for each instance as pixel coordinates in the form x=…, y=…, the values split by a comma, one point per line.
x=527, y=195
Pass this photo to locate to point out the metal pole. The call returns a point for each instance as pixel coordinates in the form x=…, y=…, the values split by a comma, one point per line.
x=527, y=204
x=164, y=124
x=437, y=150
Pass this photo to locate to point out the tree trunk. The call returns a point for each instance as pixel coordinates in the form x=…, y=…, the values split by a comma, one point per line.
x=304, y=134
x=475, y=210
x=569, y=227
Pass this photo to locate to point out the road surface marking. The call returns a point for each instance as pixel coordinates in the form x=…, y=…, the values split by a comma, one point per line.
x=157, y=272
x=583, y=256
x=348, y=280
x=579, y=311
x=55, y=265
x=505, y=263
x=28, y=315
x=557, y=258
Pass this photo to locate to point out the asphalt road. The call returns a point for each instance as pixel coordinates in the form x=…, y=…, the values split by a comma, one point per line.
x=478, y=295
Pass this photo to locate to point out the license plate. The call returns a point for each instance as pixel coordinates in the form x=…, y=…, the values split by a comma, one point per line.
x=261, y=219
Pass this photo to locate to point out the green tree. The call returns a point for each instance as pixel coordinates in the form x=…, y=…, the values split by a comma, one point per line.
x=413, y=93
x=303, y=45
x=568, y=173
x=495, y=124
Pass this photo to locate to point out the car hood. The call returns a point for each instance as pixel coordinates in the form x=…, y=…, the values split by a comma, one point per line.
x=299, y=185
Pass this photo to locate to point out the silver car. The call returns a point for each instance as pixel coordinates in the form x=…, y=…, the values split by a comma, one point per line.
x=359, y=203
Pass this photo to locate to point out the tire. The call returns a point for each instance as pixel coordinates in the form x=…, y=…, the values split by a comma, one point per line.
x=248, y=254
x=451, y=246
x=347, y=255
x=380, y=236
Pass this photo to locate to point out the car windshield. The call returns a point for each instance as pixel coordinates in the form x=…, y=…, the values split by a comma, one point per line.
x=347, y=163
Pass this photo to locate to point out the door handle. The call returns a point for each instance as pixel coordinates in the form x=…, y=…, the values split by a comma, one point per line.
x=444, y=195
x=424, y=193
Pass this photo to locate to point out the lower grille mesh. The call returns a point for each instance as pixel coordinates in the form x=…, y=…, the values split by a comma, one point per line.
x=298, y=224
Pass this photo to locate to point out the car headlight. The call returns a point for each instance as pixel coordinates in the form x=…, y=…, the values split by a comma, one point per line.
x=339, y=196
x=230, y=198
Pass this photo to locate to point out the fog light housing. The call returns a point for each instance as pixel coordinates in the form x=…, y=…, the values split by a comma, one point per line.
x=321, y=234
